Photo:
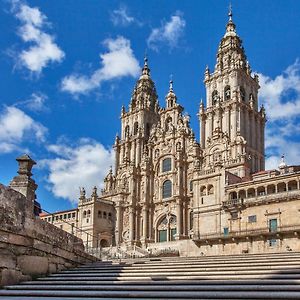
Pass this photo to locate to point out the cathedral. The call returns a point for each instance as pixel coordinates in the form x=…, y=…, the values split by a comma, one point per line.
x=168, y=191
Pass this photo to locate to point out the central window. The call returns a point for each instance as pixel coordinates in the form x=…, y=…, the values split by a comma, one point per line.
x=167, y=189
x=167, y=165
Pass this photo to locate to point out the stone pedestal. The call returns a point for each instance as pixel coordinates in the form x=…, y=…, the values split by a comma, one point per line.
x=24, y=184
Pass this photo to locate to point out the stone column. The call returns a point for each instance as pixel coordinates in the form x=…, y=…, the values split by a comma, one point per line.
x=227, y=120
x=179, y=219
x=138, y=153
x=254, y=136
x=118, y=230
x=131, y=225
x=203, y=138
x=233, y=122
x=145, y=223
x=210, y=125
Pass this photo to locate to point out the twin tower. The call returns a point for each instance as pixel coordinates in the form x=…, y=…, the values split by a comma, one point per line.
x=162, y=174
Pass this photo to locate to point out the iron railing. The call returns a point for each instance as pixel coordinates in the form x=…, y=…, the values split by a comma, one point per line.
x=262, y=231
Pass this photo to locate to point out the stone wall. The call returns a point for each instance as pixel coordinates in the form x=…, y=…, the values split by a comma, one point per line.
x=31, y=247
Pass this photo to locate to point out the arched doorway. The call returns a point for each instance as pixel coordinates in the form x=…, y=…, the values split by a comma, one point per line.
x=166, y=228
x=104, y=243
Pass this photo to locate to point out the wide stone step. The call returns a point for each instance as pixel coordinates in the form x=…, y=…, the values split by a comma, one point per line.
x=176, y=277
x=186, y=265
x=264, y=281
x=158, y=294
x=192, y=268
x=156, y=287
x=248, y=277
x=182, y=272
x=209, y=258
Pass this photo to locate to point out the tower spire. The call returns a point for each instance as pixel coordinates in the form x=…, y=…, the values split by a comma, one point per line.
x=171, y=97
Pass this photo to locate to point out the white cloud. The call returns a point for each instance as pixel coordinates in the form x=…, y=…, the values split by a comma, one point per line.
x=169, y=33
x=118, y=62
x=36, y=102
x=43, y=49
x=281, y=97
x=121, y=17
x=84, y=165
x=15, y=127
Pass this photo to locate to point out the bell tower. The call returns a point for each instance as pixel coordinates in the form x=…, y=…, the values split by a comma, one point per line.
x=136, y=123
x=232, y=105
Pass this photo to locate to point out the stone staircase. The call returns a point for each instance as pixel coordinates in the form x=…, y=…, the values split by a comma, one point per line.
x=256, y=276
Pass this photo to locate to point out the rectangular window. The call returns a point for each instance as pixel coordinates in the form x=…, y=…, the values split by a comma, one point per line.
x=65, y=216
x=272, y=242
x=273, y=225
x=226, y=231
x=252, y=219
x=73, y=215
x=162, y=235
x=69, y=215
x=167, y=165
x=173, y=232
x=99, y=214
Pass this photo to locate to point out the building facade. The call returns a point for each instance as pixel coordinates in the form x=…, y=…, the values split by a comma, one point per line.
x=213, y=197
x=93, y=220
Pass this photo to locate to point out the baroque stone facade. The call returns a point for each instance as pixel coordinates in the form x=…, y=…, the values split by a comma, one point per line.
x=212, y=197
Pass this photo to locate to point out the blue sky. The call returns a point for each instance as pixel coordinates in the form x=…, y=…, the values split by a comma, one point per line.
x=68, y=66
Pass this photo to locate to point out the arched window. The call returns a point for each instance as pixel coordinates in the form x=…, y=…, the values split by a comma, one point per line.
x=215, y=96
x=227, y=93
x=88, y=212
x=210, y=189
x=167, y=165
x=84, y=214
x=127, y=131
x=167, y=189
x=242, y=93
x=135, y=128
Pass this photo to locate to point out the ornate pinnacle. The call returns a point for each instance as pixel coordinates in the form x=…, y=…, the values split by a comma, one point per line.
x=146, y=70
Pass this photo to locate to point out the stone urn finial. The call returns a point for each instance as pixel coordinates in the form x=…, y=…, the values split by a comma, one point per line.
x=25, y=165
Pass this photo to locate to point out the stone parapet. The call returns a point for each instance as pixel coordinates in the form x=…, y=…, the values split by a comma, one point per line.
x=32, y=247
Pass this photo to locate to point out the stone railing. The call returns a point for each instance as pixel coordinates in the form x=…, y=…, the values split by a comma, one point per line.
x=32, y=247
x=233, y=203
x=206, y=172
x=137, y=251
x=286, y=195
x=112, y=192
x=262, y=231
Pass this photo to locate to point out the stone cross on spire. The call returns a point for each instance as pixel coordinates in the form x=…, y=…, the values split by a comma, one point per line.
x=230, y=12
